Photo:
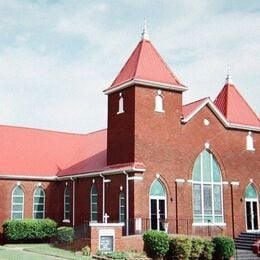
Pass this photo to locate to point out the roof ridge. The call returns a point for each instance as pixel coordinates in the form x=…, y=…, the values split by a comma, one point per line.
x=245, y=102
x=166, y=65
x=49, y=130
x=193, y=102
x=139, y=55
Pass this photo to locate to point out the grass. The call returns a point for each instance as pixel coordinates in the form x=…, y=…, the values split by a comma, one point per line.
x=36, y=252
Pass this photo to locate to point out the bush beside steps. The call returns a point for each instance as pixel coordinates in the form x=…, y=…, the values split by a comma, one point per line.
x=158, y=245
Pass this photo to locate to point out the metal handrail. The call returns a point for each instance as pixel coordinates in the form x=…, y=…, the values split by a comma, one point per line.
x=215, y=225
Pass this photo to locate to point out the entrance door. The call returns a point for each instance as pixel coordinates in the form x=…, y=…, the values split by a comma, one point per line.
x=251, y=209
x=157, y=214
x=157, y=206
x=251, y=216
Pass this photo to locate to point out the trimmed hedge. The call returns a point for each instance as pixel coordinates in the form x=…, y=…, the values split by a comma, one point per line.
x=29, y=229
x=185, y=247
x=65, y=234
x=156, y=243
x=197, y=245
x=180, y=247
x=224, y=247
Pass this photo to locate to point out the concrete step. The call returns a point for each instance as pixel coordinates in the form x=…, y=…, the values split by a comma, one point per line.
x=246, y=240
x=245, y=255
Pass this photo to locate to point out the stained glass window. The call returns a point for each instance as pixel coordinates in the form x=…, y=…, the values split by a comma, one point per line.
x=251, y=192
x=207, y=189
x=157, y=189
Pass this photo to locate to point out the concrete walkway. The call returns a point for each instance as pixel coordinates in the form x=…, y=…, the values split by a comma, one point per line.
x=18, y=252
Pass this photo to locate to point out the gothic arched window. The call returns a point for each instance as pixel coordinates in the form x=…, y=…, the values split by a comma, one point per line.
x=17, y=203
x=39, y=203
x=159, y=102
x=207, y=190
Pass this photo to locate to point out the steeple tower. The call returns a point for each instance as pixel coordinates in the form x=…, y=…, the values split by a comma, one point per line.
x=145, y=93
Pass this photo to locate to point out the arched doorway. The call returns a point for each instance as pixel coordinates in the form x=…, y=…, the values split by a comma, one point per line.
x=251, y=209
x=158, y=210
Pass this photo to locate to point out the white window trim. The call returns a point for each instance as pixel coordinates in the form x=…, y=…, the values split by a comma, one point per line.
x=65, y=204
x=12, y=203
x=44, y=197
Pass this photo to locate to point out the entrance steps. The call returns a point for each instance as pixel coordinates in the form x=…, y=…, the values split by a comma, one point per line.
x=246, y=240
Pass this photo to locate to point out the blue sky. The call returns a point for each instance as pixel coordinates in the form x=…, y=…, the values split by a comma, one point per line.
x=56, y=57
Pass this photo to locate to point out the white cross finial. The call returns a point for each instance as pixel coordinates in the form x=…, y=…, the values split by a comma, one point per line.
x=229, y=77
x=105, y=218
x=145, y=35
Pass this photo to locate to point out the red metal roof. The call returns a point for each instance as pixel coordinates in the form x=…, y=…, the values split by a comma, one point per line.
x=145, y=63
x=41, y=153
x=234, y=107
x=191, y=107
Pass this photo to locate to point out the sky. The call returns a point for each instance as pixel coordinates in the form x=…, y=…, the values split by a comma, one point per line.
x=57, y=57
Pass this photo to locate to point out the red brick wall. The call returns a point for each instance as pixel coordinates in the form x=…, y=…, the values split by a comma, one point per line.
x=120, y=134
x=53, y=200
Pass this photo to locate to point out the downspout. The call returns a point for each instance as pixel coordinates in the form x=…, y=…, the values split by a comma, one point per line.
x=103, y=197
x=73, y=202
x=127, y=202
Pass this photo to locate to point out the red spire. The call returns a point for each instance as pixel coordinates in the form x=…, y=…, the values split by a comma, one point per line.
x=146, y=65
x=234, y=107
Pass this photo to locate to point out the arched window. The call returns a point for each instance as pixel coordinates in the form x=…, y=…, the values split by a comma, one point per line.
x=120, y=104
x=159, y=102
x=207, y=191
x=17, y=203
x=250, y=142
x=66, y=203
x=39, y=203
x=250, y=192
x=122, y=207
x=94, y=203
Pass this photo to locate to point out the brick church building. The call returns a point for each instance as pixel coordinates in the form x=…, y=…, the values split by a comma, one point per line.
x=159, y=165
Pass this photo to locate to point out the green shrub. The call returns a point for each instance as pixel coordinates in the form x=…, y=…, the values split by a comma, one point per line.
x=86, y=251
x=29, y=229
x=224, y=247
x=156, y=243
x=197, y=245
x=65, y=234
x=117, y=255
x=207, y=250
x=180, y=248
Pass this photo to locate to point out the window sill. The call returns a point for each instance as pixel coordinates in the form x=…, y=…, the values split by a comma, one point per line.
x=120, y=112
x=160, y=111
x=208, y=224
x=65, y=221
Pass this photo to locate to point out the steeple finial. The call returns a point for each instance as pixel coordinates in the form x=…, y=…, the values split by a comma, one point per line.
x=145, y=35
x=229, y=77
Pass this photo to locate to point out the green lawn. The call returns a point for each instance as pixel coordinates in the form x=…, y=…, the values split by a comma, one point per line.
x=36, y=252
